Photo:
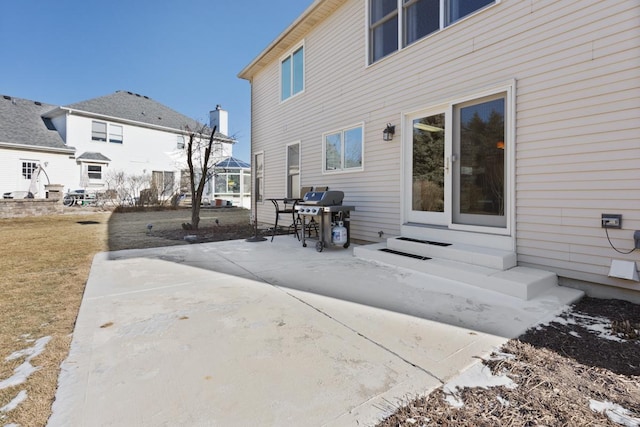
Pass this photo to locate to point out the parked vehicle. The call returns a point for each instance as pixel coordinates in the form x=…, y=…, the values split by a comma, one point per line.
x=18, y=195
x=79, y=197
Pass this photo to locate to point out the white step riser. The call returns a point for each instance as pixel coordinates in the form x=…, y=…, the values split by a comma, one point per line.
x=501, y=260
x=443, y=234
x=481, y=277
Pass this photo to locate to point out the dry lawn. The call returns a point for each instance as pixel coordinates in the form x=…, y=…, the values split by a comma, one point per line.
x=45, y=264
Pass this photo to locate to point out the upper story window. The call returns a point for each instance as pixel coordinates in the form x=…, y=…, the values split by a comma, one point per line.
x=383, y=27
x=180, y=142
x=115, y=134
x=343, y=150
x=413, y=20
x=99, y=132
x=292, y=74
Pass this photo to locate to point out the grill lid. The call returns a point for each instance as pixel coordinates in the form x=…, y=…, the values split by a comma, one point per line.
x=323, y=198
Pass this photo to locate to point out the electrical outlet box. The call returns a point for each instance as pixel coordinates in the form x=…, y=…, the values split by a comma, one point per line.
x=611, y=221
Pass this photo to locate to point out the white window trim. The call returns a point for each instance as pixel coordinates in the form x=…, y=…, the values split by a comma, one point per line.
x=108, y=133
x=401, y=46
x=90, y=180
x=324, y=151
x=447, y=106
x=286, y=157
x=289, y=54
x=254, y=169
x=21, y=163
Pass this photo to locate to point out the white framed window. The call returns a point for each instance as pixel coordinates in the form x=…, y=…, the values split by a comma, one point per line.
x=180, y=142
x=28, y=167
x=394, y=24
x=115, y=134
x=94, y=172
x=227, y=183
x=293, y=170
x=258, y=161
x=98, y=131
x=163, y=182
x=292, y=73
x=343, y=150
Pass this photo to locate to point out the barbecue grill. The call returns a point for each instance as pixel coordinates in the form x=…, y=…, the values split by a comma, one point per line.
x=327, y=210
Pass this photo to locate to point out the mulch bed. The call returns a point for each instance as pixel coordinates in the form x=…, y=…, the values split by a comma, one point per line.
x=216, y=233
x=589, y=354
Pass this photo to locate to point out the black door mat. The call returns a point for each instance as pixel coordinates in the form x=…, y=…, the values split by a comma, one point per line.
x=391, y=251
x=428, y=242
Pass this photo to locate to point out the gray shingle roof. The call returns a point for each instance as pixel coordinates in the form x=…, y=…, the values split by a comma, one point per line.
x=21, y=122
x=89, y=155
x=139, y=108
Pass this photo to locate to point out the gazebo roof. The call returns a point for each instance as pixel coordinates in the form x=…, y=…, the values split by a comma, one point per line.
x=232, y=163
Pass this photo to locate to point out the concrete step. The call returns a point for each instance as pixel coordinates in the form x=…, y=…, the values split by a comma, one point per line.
x=520, y=282
x=469, y=254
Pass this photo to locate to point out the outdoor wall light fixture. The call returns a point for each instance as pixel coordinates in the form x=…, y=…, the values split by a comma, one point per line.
x=388, y=132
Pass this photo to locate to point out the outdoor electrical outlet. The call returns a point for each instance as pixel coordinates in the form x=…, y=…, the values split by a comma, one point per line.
x=611, y=221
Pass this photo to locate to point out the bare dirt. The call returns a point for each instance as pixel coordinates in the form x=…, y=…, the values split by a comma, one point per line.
x=148, y=229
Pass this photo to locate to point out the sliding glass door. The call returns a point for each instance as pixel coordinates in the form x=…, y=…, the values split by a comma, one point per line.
x=455, y=164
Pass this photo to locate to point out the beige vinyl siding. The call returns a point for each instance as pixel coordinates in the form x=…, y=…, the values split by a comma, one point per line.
x=578, y=150
x=576, y=64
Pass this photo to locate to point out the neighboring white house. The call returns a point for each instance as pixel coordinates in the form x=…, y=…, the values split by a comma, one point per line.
x=79, y=144
x=511, y=125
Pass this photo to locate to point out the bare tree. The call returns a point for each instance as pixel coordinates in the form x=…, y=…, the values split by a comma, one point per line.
x=126, y=187
x=198, y=159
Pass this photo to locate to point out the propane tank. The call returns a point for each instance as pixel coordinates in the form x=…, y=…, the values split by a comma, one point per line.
x=339, y=234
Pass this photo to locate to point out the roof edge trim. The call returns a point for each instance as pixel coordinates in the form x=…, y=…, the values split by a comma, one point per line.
x=245, y=73
x=14, y=146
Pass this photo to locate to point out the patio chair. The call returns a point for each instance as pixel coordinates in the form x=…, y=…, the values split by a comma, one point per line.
x=285, y=207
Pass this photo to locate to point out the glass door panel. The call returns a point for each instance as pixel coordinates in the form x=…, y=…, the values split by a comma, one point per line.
x=428, y=170
x=479, y=170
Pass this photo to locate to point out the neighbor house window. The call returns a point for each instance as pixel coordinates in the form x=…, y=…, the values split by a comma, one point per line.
x=259, y=171
x=163, y=182
x=180, y=142
x=343, y=150
x=94, y=172
x=292, y=74
x=98, y=131
x=227, y=183
x=28, y=168
x=115, y=134
x=413, y=19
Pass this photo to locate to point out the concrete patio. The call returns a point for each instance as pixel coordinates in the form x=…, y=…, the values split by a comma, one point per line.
x=239, y=333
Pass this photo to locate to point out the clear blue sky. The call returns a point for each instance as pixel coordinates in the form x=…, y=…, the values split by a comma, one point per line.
x=185, y=54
